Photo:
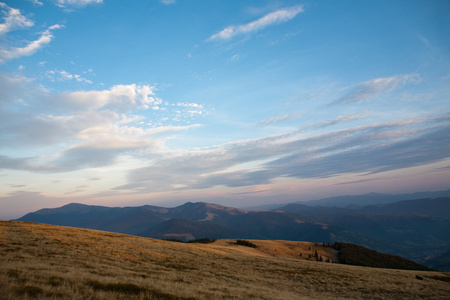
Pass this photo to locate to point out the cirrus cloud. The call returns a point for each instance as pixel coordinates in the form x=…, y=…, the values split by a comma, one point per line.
x=280, y=119
x=8, y=53
x=375, y=87
x=367, y=149
x=76, y=3
x=276, y=17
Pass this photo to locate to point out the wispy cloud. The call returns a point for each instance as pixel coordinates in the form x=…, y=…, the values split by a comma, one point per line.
x=339, y=120
x=167, y=2
x=64, y=75
x=375, y=87
x=248, y=193
x=37, y=2
x=76, y=3
x=280, y=119
x=46, y=37
x=276, y=17
x=13, y=19
x=365, y=149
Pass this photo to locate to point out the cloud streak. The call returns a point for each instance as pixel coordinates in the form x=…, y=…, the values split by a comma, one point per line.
x=77, y=3
x=167, y=2
x=280, y=119
x=339, y=120
x=276, y=17
x=46, y=37
x=375, y=87
x=365, y=149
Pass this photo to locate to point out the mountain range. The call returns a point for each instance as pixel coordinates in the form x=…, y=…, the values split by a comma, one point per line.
x=358, y=201
x=417, y=229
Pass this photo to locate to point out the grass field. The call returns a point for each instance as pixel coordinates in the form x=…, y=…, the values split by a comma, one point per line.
x=53, y=262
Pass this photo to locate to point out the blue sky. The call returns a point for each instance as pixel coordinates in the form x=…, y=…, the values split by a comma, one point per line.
x=241, y=103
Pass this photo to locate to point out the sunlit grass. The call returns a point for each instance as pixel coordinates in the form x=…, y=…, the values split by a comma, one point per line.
x=51, y=262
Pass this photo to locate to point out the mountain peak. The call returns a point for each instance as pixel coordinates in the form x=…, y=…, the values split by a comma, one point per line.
x=75, y=205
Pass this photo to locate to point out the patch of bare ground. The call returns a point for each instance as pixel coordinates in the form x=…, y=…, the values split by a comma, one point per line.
x=52, y=262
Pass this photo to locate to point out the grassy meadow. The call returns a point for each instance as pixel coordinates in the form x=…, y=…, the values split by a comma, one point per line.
x=54, y=262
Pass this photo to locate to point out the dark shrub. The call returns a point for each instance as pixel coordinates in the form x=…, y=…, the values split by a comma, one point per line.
x=245, y=243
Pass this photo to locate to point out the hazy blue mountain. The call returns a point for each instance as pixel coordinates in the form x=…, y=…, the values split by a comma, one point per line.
x=353, y=201
x=418, y=230
x=130, y=220
x=415, y=229
x=436, y=207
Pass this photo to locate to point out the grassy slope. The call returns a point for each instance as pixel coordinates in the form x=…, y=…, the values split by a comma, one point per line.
x=352, y=254
x=55, y=262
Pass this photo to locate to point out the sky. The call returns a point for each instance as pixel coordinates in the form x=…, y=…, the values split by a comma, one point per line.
x=240, y=103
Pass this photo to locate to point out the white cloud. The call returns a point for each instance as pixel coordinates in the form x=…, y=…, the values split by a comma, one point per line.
x=37, y=2
x=64, y=75
x=77, y=130
x=77, y=3
x=118, y=97
x=31, y=48
x=13, y=20
x=375, y=87
x=276, y=17
x=234, y=58
x=189, y=104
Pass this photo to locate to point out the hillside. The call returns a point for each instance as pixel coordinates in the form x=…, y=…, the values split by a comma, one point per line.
x=418, y=230
x=351, y=254
x=53, y=262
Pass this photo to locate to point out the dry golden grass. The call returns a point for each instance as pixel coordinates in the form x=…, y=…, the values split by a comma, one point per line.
x=273, y=248
x=52, y=262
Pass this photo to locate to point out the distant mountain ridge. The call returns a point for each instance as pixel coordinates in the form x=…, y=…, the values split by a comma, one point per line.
x=145, y=220
x=373, y=199
x=418, y=230
x=357, y=201
x=436, y=207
